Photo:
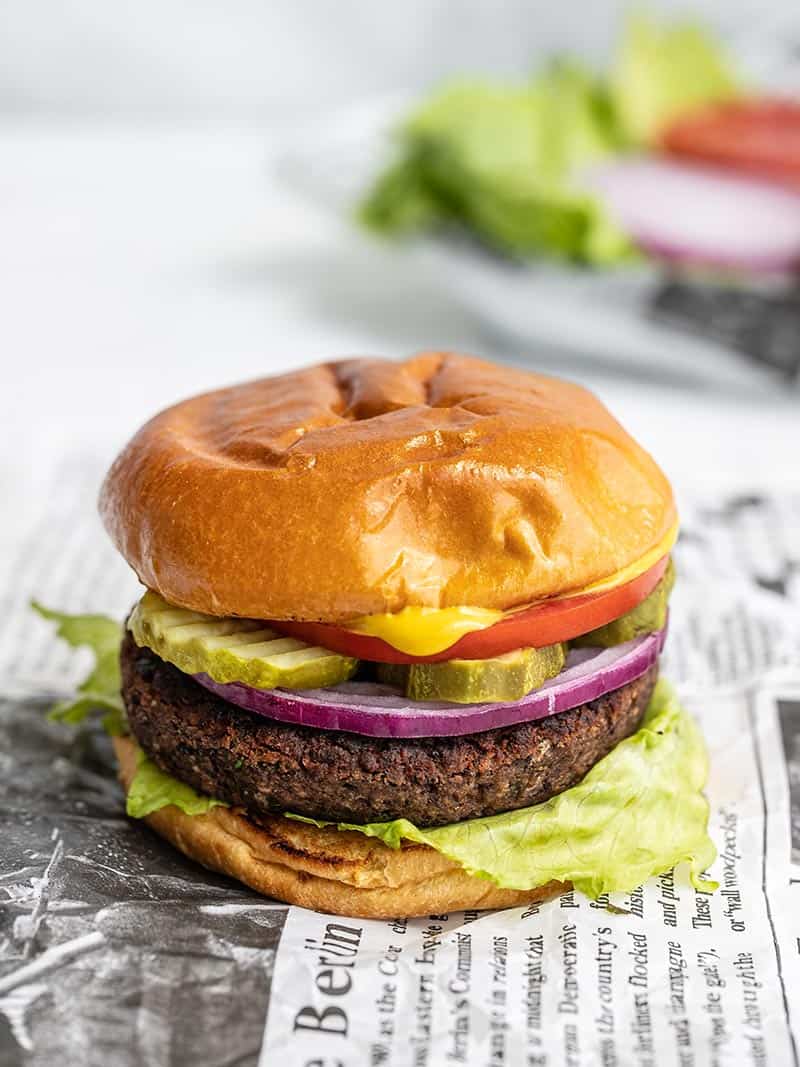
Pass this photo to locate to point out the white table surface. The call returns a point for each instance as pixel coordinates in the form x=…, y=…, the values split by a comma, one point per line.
x=142, y=263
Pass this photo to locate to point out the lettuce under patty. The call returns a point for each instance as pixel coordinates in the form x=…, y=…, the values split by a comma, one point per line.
x=639, y=811
x=152, y=789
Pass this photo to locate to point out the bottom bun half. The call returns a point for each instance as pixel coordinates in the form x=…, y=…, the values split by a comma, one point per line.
x=325, y=869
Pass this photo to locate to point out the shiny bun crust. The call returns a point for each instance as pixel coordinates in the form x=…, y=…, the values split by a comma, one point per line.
x=326, y=869
x=367, y=486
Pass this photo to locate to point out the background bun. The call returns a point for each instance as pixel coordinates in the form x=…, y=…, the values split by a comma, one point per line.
x=366, y=486
x=326, y=869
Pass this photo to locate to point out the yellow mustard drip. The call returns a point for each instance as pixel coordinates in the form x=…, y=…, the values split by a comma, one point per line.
x=425, y=631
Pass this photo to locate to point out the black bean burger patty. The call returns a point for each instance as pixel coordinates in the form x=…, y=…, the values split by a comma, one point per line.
x=267, y=767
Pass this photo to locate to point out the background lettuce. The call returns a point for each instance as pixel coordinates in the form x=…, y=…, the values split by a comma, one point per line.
x=663, y=72
x=498, y=160
x=504, y=161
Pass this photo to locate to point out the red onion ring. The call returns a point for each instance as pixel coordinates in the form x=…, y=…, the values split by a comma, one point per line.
x=382, y=711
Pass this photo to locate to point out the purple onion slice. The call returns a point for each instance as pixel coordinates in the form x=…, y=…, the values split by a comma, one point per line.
x=381, y=711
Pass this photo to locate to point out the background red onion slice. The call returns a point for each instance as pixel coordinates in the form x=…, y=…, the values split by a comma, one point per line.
x=701, y=215
x=381, y=711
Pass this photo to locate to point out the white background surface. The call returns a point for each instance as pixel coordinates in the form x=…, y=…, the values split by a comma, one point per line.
x=139, y=265
x=280, y=59
x=148, y=252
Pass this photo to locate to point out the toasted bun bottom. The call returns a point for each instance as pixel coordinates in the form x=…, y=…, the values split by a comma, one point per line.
x=329, y=870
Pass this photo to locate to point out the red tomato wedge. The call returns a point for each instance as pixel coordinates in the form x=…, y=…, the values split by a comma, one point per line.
x=541, y=624
x=757, y=136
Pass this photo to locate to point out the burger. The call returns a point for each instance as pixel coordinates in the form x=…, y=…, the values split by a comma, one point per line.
x=398, y=647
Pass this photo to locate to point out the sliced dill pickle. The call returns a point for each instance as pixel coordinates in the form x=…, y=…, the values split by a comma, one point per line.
x=645, y=618
x=234, y=650
x=477, y=681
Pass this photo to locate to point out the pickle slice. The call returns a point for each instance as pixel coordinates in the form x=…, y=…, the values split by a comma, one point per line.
x=645, y=618
x=234, y=650
x=477, y=681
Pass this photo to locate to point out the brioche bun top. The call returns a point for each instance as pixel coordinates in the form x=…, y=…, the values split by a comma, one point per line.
x=366, y=486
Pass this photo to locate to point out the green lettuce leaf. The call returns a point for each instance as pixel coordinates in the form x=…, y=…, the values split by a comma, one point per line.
x=500, y=160
x=101, y=689
x=153, y=788
x=638, y=812
x=662, y=72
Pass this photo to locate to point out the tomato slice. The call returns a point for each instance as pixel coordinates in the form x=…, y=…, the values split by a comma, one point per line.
x=541, y=624
x=758, y=136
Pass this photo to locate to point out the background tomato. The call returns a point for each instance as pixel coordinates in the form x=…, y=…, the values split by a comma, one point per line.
x=758, y=136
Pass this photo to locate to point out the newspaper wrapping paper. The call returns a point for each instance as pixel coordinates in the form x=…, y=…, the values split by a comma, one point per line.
x=115, y=950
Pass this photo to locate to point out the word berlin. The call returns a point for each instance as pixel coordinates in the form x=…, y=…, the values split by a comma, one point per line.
x=336, y=956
